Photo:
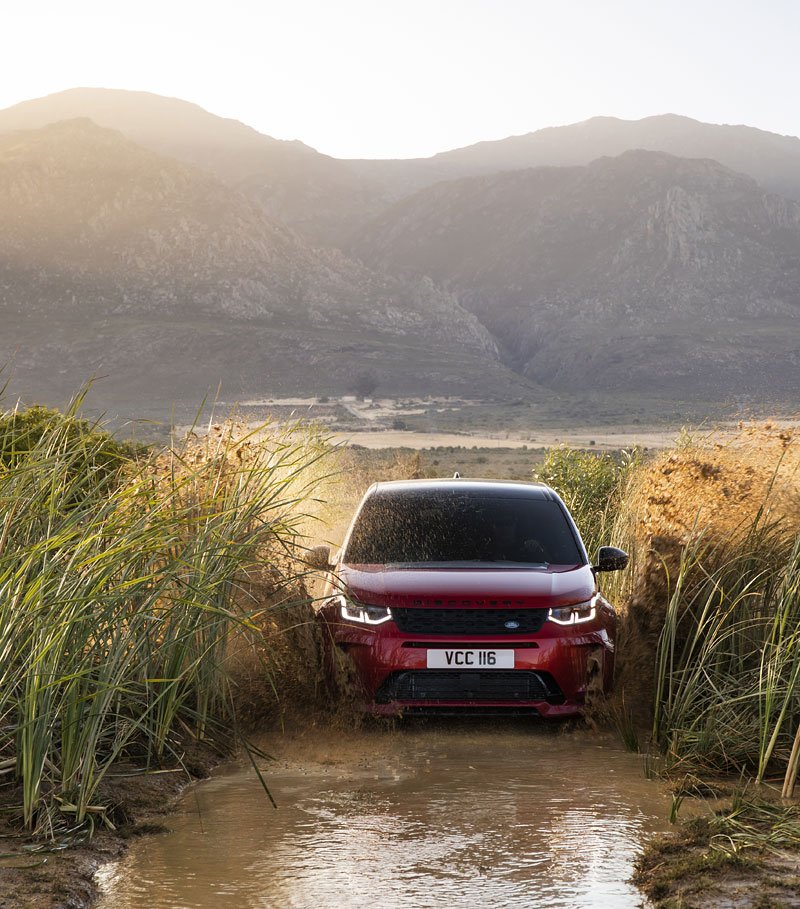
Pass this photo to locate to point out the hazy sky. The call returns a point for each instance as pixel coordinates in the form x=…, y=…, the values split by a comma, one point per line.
x=379, y=78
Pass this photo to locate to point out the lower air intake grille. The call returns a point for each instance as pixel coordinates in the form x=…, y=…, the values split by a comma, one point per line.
x=470, y=685
x=469, y=621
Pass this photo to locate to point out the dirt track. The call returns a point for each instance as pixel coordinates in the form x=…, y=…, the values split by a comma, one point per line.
x=603, y=440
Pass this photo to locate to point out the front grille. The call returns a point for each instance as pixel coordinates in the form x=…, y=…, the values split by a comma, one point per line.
x=468, y=621
x=470, y=685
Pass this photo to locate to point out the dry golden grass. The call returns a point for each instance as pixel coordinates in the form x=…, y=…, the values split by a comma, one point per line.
x=352, y=472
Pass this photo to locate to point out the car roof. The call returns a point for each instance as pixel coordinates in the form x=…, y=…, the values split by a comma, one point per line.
x=498, y=488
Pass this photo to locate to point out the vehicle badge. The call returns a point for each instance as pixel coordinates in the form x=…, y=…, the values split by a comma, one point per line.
x=512, y=624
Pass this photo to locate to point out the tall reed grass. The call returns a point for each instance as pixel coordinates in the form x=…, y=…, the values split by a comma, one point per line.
x=120, y=585
x=724, y=536
x=728, y=661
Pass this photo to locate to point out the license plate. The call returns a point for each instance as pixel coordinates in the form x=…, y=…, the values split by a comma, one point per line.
x=471, y=659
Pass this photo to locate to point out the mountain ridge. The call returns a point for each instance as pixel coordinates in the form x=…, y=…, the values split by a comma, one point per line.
x=327, y=198
x=101, y=232
x=286, y=177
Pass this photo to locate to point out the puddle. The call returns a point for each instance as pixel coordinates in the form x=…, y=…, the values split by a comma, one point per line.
x=424, y=816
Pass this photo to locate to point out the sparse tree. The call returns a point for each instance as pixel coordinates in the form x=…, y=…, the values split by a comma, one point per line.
x=365, y=383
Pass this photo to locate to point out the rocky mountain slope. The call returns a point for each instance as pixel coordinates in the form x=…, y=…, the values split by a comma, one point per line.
x=645, y=272
x=117, y=260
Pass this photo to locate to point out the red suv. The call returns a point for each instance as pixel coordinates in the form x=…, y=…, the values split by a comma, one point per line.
x=466, y=595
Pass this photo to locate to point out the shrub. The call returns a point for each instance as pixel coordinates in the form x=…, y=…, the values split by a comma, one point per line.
x=37, y=432
x=591, y=486
x=365, y=383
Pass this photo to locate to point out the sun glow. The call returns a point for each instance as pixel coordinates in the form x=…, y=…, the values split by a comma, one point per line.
x=360, y=78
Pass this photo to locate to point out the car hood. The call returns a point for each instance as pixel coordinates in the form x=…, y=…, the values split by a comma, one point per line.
x=464, y=587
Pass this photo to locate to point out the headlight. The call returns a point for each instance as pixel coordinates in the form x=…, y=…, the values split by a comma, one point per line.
x=366, y=615
x=573, y=615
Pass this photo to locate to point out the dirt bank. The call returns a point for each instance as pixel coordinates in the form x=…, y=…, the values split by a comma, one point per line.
x=707, y=491
x=697, y=868
x=60, y=875
x=283, y=658
x=711, y=493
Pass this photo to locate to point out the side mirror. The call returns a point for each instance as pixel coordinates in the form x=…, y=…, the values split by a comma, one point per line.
x=319, y=558
x=609, y=558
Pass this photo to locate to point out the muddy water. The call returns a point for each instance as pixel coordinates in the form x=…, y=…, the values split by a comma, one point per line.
x=422, y=816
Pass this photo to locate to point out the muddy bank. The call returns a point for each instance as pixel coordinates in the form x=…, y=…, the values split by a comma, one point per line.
x=727, y=503
x=697, y=868
x=35, y=874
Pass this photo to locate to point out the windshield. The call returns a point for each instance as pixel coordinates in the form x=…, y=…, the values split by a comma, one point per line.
x=413, y=528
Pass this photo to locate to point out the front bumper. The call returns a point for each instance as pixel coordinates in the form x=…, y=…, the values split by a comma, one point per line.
x=553, y=669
